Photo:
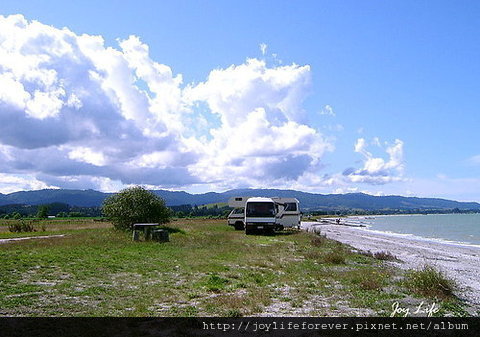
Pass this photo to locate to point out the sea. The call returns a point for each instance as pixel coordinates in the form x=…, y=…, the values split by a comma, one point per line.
x=463, y=229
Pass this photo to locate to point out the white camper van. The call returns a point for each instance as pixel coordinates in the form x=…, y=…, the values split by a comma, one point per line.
x=266, y=214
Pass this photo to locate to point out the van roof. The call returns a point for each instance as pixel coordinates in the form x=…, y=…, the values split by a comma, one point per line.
x=259, y=199
x=285, y=199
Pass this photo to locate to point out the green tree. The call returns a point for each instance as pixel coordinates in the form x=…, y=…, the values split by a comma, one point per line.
x=42, y=211
x=15, y=215
x=75, y=214
x=135, y=205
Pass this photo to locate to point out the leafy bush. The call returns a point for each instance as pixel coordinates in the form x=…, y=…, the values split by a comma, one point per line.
x=430, y=282
x=21, y=226
x=135, y=205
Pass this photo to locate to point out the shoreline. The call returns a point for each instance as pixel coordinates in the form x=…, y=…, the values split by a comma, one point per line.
x=359, y=221
x=457, y=261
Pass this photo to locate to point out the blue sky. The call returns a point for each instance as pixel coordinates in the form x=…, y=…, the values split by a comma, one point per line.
x=347, y=96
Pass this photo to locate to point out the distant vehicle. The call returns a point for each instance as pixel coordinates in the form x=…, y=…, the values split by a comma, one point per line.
x=266, y=214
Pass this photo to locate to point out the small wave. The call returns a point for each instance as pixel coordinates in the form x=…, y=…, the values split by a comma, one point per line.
x=421, y=238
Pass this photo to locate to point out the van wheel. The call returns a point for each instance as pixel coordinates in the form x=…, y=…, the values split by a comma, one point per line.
x=239, y=226
x=248, y=231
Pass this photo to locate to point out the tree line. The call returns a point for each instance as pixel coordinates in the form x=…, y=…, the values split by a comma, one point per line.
x=62, y=210
x=57, y=209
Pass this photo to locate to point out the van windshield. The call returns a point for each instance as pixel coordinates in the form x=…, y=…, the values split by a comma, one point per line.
x=260, y=209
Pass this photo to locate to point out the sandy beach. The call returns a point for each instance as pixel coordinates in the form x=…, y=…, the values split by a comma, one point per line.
x=459, y=262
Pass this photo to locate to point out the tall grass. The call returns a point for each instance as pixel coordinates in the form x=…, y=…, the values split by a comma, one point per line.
x=430, y=282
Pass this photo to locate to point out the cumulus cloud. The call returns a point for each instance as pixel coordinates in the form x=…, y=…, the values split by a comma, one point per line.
x=377, y=170
x=76, y=113
x=262, y=137
x=14, y=182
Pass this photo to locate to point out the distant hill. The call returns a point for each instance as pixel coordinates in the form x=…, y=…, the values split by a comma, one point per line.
x=308, y=201
x=84, y=198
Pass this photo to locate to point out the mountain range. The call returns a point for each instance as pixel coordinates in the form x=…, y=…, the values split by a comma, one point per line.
x=308, y=201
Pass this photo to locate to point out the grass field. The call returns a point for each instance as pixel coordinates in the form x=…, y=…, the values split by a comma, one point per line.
x=207, y=269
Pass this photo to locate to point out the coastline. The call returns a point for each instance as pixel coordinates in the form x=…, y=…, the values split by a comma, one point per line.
x=458, y=261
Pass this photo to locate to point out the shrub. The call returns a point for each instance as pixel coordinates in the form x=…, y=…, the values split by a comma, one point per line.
x=319, y=240
x=216, y=283
x=21, y=226
x=430, y=282
x=336, y=256
x=135, y=205
x=384, y=255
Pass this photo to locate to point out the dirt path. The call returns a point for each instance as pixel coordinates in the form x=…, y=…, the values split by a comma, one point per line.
x=30, y=237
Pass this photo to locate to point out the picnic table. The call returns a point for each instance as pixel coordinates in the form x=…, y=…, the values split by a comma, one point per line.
x=150, y=231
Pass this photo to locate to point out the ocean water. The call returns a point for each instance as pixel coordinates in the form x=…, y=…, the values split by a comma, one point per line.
x=454, y=228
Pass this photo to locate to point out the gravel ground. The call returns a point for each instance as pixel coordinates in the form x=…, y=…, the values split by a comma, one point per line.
x=459, y=262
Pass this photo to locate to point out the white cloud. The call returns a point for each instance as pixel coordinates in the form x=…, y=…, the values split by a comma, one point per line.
x=262, y=137
x=87, y=155
x=12, y=92
x=75, y=113
x=377, y=170
x=263, y=48
x=10, y=183
x=327, y=110
x=45, y=104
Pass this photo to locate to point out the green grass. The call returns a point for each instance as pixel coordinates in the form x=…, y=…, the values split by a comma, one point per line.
x=207, y=269
x=430, y=282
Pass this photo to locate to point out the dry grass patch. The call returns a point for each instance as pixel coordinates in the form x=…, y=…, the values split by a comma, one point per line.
x=241, y=303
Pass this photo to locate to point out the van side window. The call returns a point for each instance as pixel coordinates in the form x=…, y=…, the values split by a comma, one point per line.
x=291, y=206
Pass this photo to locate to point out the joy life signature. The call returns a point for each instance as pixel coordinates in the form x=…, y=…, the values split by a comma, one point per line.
x=422, y=308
